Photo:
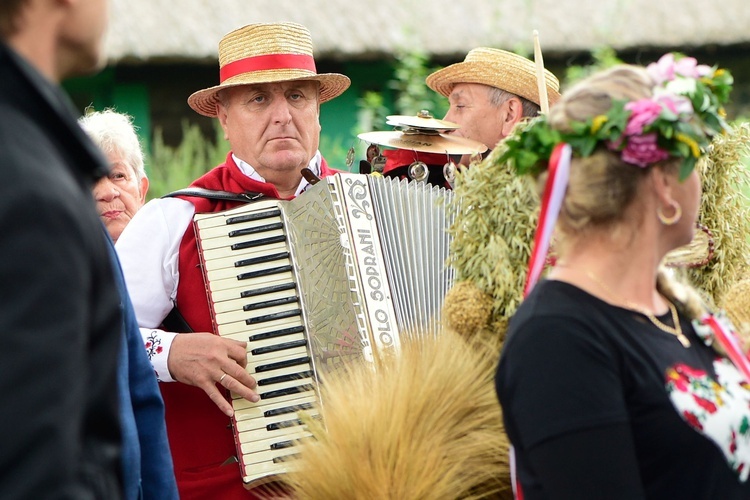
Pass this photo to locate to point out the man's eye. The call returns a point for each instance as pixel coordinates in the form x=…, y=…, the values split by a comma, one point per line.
x=296, y=96
x=117, y=176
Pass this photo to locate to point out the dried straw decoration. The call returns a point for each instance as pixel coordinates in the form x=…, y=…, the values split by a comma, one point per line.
x=496, y=215
x=725, y=211
x=425, y=425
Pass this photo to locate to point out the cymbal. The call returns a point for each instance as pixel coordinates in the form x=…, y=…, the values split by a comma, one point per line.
x=423, y=121
x=428, y=143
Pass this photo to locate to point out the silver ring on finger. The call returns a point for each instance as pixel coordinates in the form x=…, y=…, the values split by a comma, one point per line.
x=222, y=378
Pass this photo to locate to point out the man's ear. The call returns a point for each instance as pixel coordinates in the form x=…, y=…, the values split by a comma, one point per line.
x=221, y=114
x=511, y=114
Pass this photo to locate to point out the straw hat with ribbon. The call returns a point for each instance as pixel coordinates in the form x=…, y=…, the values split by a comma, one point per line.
x=497, y=68
x=266, y=53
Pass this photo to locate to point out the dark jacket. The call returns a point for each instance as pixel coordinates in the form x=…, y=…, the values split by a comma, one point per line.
x=60, y=323
x=147, y=464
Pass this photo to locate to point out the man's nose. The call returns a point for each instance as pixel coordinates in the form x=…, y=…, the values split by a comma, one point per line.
x=280, y=111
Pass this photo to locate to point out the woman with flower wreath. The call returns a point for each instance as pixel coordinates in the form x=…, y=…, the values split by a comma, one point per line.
x=615, y=381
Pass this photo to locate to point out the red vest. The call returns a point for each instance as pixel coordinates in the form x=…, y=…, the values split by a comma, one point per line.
x=200, y=435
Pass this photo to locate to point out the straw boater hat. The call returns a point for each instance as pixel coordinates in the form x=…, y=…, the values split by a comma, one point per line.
x=266, y=53
x=496, y=68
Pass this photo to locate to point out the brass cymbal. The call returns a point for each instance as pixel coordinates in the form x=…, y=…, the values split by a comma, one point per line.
x=423, y=121
x=428, y=143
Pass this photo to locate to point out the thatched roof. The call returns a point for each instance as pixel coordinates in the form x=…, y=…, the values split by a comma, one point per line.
x=346, y=29
x=359, y=29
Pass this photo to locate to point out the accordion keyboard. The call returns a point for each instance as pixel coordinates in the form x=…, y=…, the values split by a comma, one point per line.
x=255, y=299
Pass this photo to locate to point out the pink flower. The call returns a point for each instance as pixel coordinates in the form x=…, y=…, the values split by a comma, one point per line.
x=663, y=70
x=677, y=104
x=643, y=151
x=688, y=66
x=643, y=112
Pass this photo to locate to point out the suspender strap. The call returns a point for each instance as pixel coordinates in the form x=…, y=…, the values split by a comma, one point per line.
x=245, y=197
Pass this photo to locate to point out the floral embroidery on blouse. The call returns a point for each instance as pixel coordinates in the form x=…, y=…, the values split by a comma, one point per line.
x=719, y=409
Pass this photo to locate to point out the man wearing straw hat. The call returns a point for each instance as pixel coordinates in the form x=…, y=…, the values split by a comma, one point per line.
x=268, y=104
x=490, y=92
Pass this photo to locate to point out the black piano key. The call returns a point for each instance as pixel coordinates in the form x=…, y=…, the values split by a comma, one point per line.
x=262, y=259
x=254, y=216
x=259, y=242
x=269, y=303
x=287, y=409
x=267, y=289
x=264, y=272
x=283, y=425
x=279, y=460
x=285, y=378
x=276, y=333
x=282, y=364
x=281, y=445
x=255, y=230
x=271, y=317
x=279, y=347
x=286, y=392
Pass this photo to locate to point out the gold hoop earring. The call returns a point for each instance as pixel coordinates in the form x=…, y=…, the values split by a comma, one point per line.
x=670, y=221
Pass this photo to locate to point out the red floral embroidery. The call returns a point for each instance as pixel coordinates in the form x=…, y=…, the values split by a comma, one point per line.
x=692, y=419
x=705, y=404
x=153, y=345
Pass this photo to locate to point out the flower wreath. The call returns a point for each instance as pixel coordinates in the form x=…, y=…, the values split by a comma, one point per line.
x=685, y=110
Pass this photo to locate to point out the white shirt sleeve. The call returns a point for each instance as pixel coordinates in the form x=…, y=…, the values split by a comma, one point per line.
x=148, y=249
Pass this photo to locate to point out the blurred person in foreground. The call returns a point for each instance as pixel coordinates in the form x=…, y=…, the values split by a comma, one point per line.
x=60, y=318
x=268, y=103
x=616, y=381
x=147, y=463
x=489, y=93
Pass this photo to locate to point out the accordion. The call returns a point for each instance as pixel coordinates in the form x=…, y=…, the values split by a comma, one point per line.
x=335, y=276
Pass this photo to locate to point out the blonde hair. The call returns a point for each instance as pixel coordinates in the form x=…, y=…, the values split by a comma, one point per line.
x=602, y=186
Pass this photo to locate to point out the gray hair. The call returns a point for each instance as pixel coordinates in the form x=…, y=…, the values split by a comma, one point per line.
x=115, y=133
x=500, y=96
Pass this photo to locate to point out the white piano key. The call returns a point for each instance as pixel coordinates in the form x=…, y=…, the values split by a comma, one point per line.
x=269, y=469
x=230, y=330
x=250, y=284
x=248, y=253
x=260, y=448
x=236, y=304
x=220, y=218
x=233, y=289
x=222, y=232
x=255, y=424
x=247, y=408
x=258, y=314
x=219, y=247
x=273, y=356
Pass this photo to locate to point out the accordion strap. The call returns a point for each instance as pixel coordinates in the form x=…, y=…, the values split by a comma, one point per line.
x=245, y=197
x=176, y=322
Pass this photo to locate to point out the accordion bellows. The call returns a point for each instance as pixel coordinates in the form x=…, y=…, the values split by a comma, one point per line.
x=340, y=276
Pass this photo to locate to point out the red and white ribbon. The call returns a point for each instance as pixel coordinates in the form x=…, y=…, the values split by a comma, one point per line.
x=554, y=192
x=729, y=342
